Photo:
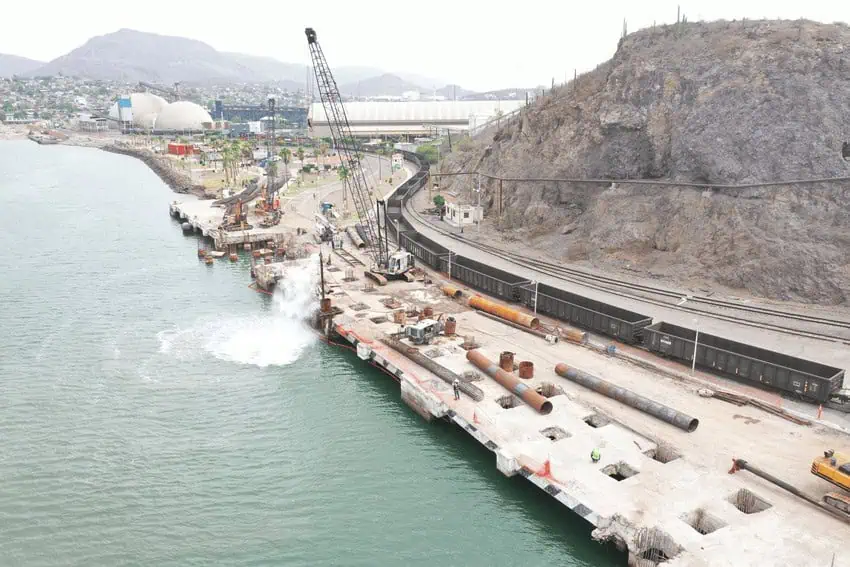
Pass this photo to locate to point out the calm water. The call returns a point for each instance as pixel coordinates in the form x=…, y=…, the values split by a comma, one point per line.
x=155, y=411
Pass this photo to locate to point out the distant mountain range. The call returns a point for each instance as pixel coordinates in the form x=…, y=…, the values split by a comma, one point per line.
x=13, y=65
x=130, y=56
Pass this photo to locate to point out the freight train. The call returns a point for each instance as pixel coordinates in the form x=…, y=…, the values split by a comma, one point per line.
x=806, y=379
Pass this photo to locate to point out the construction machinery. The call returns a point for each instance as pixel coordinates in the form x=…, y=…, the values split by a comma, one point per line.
x=384, y=265
x=423, y=332
x=235, y=217
x=269, y=203
x=835, y=468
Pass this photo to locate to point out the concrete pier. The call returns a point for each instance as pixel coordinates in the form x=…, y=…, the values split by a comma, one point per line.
x=661, y=492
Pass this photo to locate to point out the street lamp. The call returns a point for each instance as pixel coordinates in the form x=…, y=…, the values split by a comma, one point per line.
x=479, y=203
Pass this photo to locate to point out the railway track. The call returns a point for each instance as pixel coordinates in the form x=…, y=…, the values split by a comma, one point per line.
x=632, y=290
x=349, y=258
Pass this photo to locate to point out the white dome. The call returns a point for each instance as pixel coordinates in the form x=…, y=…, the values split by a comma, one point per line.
x=182, y=115
x=145, y=107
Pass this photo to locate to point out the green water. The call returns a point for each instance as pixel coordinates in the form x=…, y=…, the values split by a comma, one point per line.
x=155, y=411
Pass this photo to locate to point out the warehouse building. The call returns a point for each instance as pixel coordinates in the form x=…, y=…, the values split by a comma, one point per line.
x=413, y=118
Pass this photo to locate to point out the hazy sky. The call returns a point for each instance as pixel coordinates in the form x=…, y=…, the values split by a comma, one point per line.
x=476, y=44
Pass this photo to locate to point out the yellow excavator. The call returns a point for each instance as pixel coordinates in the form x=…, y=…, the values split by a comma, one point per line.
x=835, y=468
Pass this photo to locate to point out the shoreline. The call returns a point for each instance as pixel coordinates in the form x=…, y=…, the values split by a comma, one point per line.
x=178, y=182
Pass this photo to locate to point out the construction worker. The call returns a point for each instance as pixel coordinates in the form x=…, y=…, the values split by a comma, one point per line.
x=456, y=387
x=595, y=455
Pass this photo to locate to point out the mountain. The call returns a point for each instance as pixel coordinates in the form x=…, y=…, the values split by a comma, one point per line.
x=271, y=69
x=704, y=103
x=13, y=65
x=131, y=55
x=386, y=84
x=452, y=92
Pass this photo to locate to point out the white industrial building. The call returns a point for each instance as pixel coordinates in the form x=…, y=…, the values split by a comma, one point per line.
x=183, y=116
x=413, y=118
x=150, y=112
x=141, y=112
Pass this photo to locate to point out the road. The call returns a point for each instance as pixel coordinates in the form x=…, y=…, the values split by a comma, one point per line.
x=306, y=202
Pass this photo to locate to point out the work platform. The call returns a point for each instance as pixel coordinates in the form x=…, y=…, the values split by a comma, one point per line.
x=663, y=493
x=206, y=219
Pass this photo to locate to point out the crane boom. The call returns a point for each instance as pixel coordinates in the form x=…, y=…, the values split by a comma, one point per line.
x=355, y=181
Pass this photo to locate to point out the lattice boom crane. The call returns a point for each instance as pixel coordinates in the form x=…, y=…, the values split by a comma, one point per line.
x=355, y=182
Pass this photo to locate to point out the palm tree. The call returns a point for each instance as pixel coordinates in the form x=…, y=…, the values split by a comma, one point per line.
x=322, y=150
x=342, y=172
x=300, y=153
x=285, y=155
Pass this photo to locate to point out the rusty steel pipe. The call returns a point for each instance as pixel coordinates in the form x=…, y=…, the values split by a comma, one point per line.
x=653, y=408
x=504, y=312
x=452, y=291
x=509, y=381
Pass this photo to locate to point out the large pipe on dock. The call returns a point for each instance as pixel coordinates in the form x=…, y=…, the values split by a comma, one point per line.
x=364, y=236
x=442, y=372
x=653, y=408
x=451, y=291
x=503, y=311
x=509, y=381
x=355, y=238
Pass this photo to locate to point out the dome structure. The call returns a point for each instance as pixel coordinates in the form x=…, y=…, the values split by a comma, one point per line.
x=182, y=116
x=145, y=107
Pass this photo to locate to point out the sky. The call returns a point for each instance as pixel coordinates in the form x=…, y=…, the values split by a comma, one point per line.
x=476, y=44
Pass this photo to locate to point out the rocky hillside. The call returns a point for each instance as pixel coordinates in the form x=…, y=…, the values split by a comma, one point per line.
x=712, y=103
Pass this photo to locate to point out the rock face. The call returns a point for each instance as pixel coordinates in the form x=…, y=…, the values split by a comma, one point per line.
x=716, y=103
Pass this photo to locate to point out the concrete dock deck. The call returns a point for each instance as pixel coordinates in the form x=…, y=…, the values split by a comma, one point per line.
x=661, y=492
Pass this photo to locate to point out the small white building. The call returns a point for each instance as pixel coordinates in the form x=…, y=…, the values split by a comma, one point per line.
x=462, y=215
x=398, y=161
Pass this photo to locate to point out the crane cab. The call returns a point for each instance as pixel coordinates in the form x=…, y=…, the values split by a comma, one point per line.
x=399, y=262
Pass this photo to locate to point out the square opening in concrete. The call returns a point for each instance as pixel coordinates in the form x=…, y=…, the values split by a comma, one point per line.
x=748, y=503
x=656, y=546
x=508, y=401
x=662, y=454
x=703, y=522
x=597, y=420
x=619, y=471
x=549, y=390
x=554, y=433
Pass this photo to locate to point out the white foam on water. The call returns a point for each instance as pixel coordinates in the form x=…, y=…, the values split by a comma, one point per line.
x=273, y=338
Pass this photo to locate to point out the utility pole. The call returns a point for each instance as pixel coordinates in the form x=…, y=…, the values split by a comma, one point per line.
x=480, y=212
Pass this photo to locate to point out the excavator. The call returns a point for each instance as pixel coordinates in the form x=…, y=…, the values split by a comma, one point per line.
x=835, y=468
x=384, y=265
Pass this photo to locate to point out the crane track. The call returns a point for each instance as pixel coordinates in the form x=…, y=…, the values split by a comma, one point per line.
x=615, y=287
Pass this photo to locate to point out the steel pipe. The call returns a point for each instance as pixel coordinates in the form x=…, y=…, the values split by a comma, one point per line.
x=509, y=381
x=355, y=238
x=451, y=291
x=438, y=370
x=653, y=408
x=503, y=311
